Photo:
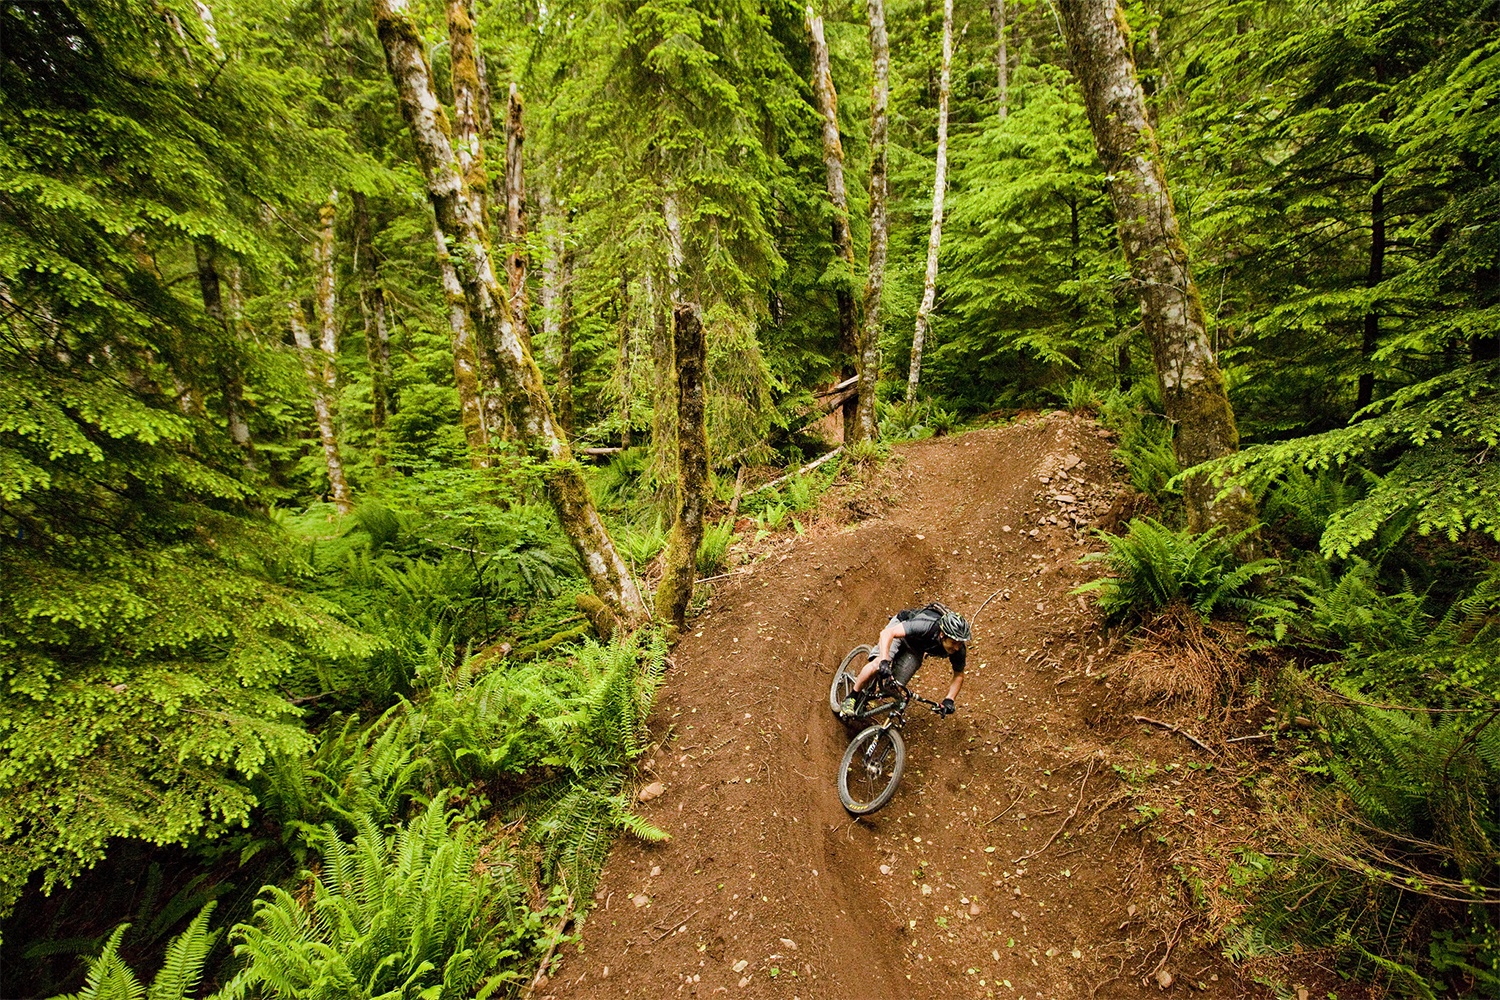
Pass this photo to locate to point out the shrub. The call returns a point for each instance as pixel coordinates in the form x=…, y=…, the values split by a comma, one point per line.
x=1079, y=396
x=1153, y=567
x=640, y=545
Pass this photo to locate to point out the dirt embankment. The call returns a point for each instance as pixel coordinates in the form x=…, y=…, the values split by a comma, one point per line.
x=1012, y=861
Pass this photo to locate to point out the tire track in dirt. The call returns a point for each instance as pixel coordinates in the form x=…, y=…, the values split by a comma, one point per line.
x=768, y=889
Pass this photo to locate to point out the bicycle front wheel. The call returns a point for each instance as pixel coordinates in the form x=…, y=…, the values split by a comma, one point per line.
x=871, y=769
x=844, y=678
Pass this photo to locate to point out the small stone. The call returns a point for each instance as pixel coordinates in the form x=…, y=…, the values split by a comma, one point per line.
x=740, y=966
x=1163, y=978
x=926, y=890
x=1077, y=953
x=1130, y=910
x=640, y=900
x=651, y=791
x=789, y=943
x=1053, y=953
x=744, y=981
x=1065, y=498
x=974, y=910
x=1302, y=993
x=885, y=869
x=1071, y=462
x=655, y=870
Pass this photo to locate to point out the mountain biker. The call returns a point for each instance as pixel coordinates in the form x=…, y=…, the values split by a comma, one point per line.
x=908, y=637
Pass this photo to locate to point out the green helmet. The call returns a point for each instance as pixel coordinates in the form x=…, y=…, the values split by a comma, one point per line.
x=952, y=625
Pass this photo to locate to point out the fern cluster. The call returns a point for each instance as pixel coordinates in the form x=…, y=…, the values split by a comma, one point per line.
x=1153, y=567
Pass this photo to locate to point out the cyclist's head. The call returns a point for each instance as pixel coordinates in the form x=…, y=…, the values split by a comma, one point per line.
x=953, y=626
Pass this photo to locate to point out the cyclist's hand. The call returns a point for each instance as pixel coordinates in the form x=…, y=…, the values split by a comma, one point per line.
x=947, y=707
x=885, y=666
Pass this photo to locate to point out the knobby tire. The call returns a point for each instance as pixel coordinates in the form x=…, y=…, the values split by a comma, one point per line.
x=871, y=769
x=843, y=678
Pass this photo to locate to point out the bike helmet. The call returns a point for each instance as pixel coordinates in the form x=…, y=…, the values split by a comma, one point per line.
x=952, y=625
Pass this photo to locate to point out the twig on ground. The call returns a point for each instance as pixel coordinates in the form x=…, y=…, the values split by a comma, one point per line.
x=1071, y=813
x=1171, y=942
x=1178, y=730
x=557, y=936
x=1007, y=808
x=1252, y=736
x=673, y=928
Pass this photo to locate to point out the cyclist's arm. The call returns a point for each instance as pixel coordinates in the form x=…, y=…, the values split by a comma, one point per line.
x=893, y=631
x=956, y=686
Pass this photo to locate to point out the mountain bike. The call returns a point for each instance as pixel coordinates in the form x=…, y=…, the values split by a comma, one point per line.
x=876, y=758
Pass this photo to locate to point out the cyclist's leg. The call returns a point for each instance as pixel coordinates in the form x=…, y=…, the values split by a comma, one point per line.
x=904, y=663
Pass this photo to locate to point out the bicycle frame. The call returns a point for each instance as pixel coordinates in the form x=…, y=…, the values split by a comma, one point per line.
x=894, y=710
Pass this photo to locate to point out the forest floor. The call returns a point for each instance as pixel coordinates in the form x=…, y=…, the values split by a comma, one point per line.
x=1043, y=844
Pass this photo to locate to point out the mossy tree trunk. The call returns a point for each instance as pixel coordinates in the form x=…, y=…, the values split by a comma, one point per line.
x=1192, y=386
x=320, y=379
x=880, y=99
x=517, y=256
x=663, y=394
x=463, y=225
x=939, y=189
x=859, y=415
x=627, y=360
x=479, y=400
x=681, y=569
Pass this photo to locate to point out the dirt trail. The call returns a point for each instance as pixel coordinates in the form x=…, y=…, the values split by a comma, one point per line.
x=767, y=889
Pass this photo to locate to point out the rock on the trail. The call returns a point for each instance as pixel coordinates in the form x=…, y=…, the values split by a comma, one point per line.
x=651, y=791
x=740, y=966
x=789, y=943
x=1163, y=978
x=640, y=900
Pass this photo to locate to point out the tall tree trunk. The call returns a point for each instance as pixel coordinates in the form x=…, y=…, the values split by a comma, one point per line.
x=320, y=379
x=939, y=189
x=627, y=387
x=692, y=466
x=480, y=399
x=1371, y=338
x=210, y=287
x=880, y=99
x=1192, y=386
x=469, y=111
x=1002, y=57
x=859, y=415
x=663, y=393
x=377, y=332
x=517, y=257
x=463, y=225
x=565, y=344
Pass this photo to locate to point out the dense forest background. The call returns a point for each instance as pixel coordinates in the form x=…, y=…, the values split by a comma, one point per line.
x=285, y=582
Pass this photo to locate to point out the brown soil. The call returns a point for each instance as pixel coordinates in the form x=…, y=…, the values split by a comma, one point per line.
x=963, y=885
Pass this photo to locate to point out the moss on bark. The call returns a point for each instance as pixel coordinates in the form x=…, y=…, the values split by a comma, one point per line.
x=676, y=587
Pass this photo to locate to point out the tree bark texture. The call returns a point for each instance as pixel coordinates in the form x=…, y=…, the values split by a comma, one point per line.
x=211, y=288
x=468, y=113
x=517, y=258
x=880, y=99
x=1371, y=336
x=692, y=467
x=463, y=225
x=320, y=378
x=858, y=419
x=1002, y=57
x=1192, y=386
x=939, y=189
x=479, y=399
x=565, y=345
x=663, y=393
x=627, y=386
x=377, y=330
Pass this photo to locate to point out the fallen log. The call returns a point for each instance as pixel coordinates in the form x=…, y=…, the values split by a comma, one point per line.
x=800, y=472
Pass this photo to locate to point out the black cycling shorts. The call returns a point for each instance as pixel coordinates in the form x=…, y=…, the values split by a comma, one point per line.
x=904, y=661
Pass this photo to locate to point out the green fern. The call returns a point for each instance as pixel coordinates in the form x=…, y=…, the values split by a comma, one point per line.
x=1153, y=566
x=109, y=978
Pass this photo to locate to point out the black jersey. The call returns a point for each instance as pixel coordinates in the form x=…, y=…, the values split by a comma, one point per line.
x=923, y=636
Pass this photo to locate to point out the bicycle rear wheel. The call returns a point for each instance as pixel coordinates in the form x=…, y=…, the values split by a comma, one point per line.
x=871, y=769
x=844, y=678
